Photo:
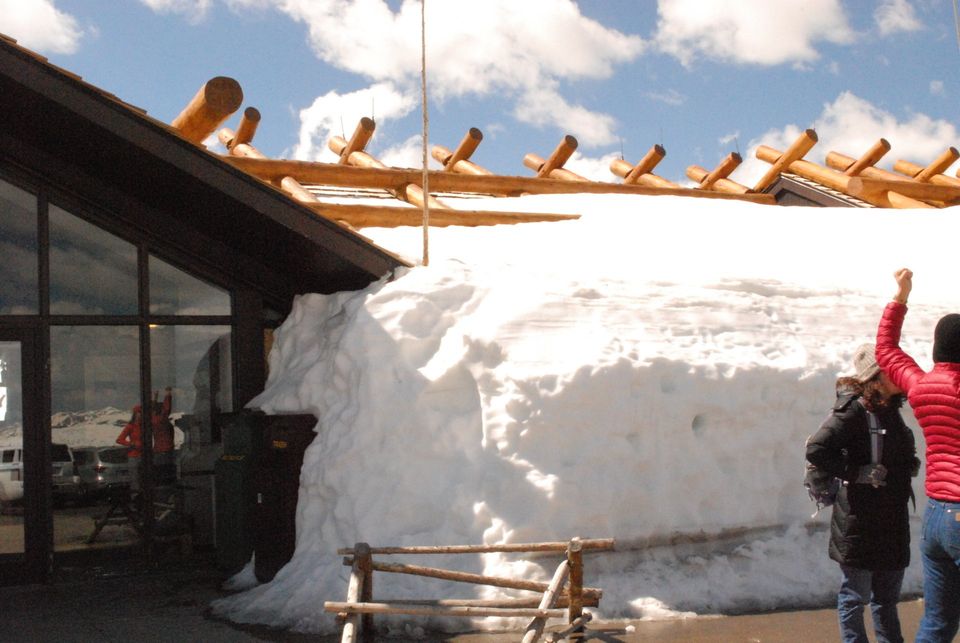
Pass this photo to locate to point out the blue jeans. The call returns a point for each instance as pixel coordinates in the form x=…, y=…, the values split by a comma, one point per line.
x=882, y=590
x=940, y=549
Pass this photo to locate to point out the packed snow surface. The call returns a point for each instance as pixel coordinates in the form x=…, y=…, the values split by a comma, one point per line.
x=648, y=373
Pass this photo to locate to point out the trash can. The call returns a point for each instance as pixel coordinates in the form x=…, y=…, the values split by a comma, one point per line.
x=277, y=488
x=242, y=434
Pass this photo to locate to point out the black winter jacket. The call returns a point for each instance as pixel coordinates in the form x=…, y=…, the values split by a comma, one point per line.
x=869, y=528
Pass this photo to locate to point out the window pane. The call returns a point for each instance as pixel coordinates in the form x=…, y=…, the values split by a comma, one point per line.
x=11, y=449
x=95, y=383
x=19, y=287
x=174, y=292
x=196, y=364
x=92, y=272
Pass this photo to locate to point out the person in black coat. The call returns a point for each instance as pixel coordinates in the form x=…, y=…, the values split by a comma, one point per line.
x=869, y=529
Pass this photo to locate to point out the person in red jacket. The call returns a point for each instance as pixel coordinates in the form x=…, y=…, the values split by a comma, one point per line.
x=131, y=438
x=935, y=398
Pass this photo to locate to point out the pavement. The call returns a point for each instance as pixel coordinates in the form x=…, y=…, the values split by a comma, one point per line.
x=171, y=604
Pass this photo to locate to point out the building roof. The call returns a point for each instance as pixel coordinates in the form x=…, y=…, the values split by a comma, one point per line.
x=154, y=180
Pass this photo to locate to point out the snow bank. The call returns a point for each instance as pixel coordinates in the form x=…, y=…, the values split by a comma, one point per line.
x=650, y=369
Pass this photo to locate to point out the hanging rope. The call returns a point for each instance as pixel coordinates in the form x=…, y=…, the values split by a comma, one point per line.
x=956, y=19
x=426, y=129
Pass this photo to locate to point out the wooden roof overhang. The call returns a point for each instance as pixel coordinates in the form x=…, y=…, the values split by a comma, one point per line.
x=156, y=182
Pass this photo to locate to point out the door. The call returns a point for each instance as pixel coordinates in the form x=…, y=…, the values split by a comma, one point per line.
x=24, y=552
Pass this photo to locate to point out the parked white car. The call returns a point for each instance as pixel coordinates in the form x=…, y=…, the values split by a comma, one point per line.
x=11, y=474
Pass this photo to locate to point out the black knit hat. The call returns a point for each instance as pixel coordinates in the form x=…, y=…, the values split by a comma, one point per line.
x=946, y=339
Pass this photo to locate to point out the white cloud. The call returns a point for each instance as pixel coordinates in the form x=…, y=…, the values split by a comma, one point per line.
x=338, y=114
x=729, y=138
x=595, y=169
x=936, y=87
x=750, y=31
x=39, y=25
x=545, y=106
x=670, y=97
x=194, y=10
x=474, y=48
x=896, y=15
x=850, y=125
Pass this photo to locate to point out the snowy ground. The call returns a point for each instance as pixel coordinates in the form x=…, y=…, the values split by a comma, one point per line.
x=650, y=369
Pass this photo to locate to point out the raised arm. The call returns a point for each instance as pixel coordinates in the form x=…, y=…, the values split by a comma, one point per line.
x=899, y=367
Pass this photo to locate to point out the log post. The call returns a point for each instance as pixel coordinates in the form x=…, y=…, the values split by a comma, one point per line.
x=698, y=174
x=365, y=563
x=575, y=590
x=870, y=158
x=646, y=165
x=795, y=152
x=361, y=136
x=909, y=189
x=561, y=154
x=209, y=108
x=468, y=145
x=722, y=171
x=247, y=128
x=535, y=162
x=842, y=162
x=926, y=174
x=351, y=626
x=535, y=628
x=912, y=169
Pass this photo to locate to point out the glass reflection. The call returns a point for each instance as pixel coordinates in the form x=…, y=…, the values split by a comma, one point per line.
x=19, y=286
x=174, y=292
x=95, y=392
x=195, y=362
x=11, y=450
x=92, y=272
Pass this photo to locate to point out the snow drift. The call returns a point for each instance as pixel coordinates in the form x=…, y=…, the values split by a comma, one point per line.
x=648, y=370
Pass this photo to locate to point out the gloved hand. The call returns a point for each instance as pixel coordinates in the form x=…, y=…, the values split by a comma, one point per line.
x=872, y=474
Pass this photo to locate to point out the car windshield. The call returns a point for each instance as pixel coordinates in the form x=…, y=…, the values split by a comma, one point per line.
x=114, y=455
x=60, y=453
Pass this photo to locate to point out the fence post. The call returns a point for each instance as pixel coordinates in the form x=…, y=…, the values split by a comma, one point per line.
x=575, y=589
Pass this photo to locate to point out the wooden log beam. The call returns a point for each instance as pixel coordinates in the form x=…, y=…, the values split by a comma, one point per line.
x=722, y=171
x=311, y=172
x=836, y=180
x=646, y=165
x=357, y=143
x=247, y=128
x=535, y=628
x=440, y=610
x=698, y=174
x=560, y=155
x=870, y=158
x=384, y=216
x=468, y=145
x=463, y=166
x=532, y=601
x=477, y=579
x=803, y=144
x=878, y=188
x=648, y=179
x=842, y=162
x=209, y=108
x=410, y=192
x=536, y=163
x=927, y=174
x=601, y=544
x=912, y=170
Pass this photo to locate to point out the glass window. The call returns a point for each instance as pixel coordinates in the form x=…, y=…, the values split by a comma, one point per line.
x=19, y=286
x=11, y=442
x=194, y=363
x=174, y=292
x=92, y=272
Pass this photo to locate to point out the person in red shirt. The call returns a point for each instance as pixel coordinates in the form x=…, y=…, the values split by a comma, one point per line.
x=935, y=398
x=131, y=437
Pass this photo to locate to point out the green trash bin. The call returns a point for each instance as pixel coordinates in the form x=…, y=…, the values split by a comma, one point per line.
x=235, y=491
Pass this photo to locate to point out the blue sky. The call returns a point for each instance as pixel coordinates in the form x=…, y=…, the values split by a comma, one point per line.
x=700, y=77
